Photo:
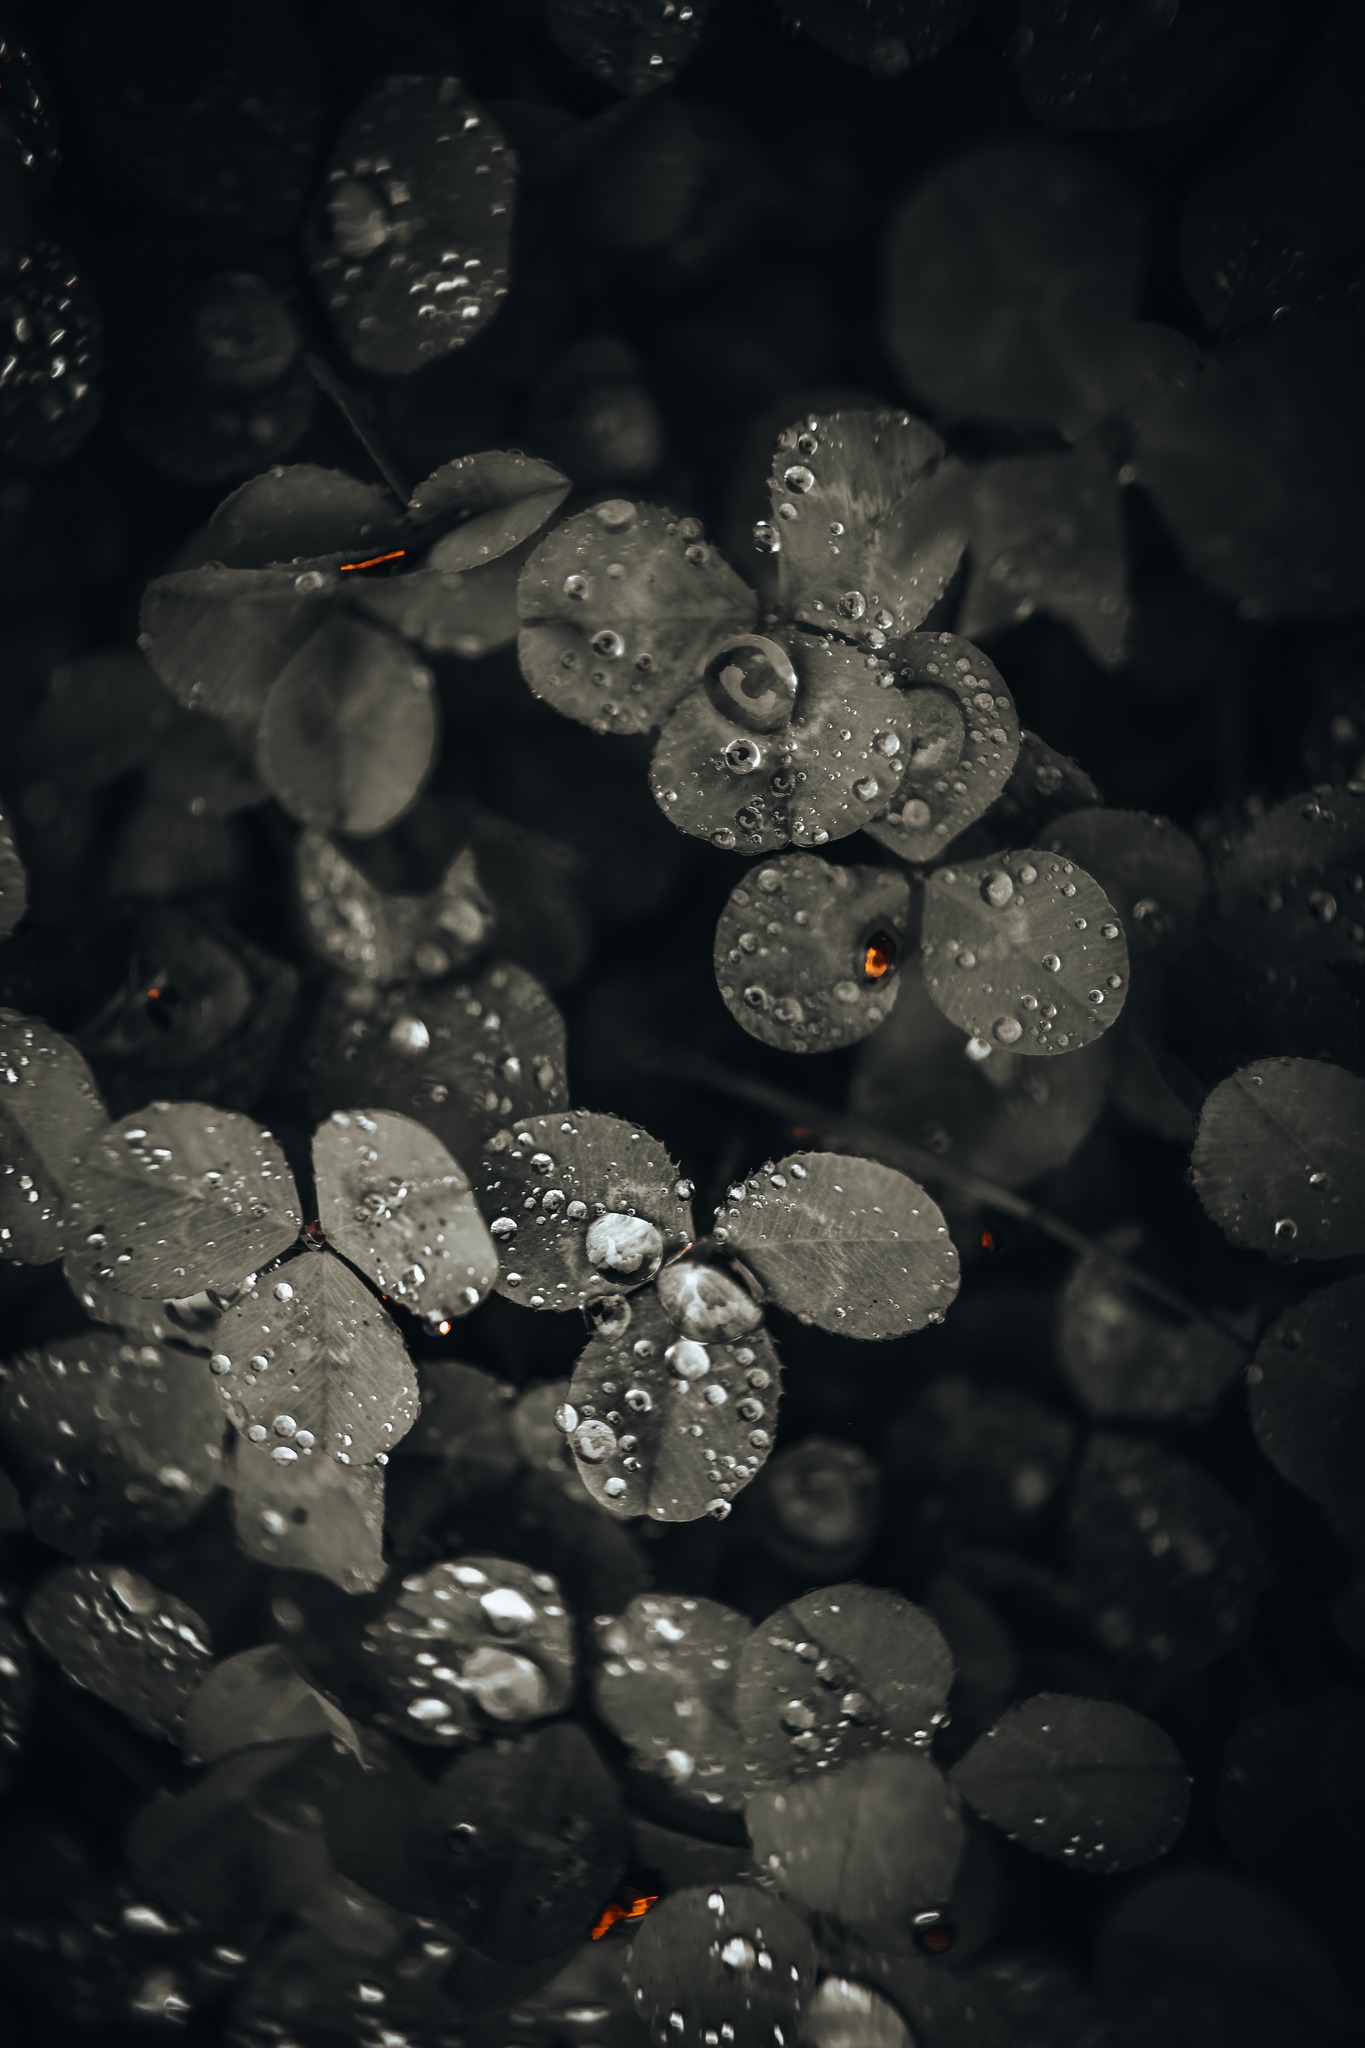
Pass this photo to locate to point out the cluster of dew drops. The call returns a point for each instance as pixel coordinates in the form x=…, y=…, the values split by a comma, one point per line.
x=1002, y=891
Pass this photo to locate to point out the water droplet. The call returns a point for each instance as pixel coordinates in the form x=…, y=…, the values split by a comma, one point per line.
x=628, y=1246
x=997, y=888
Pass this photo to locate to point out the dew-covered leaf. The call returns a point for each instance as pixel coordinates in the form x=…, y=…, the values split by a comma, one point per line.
x=122, y=1638
x=1126, y=65
x=728, y=1955
x=1024, y=950
x=300, y=514
x=1292, y=880
x=664, y=1682
x=632, y=596
x=1045, y=534
x=815, y=1508
x=716, y=781
x=885, y=37
x=307, y=1362
x=259, y=1696
x=318, y=1516
x=179, y=1198
x=1131, y=1359
x=349, y=730
x=17, y=1692
x=866, y=519
x=380, y=935
x=13, y=880
x=664, y=1425
x=1279, y=1159
x=411, y=259
x=1306, y=1401
x=488, y=504
x=845, y=2010
x=837, y=1674
x=1042, y=785
x=847, y=1244
x=872, y=1841
x=806, y=953
x=50, y=1110
x=219, y=637
x=959, y=740
x=634, y=46
x=1152, y=873
x=606, y=1205
x=503, y=1645
x=1008, y=269
x=1087, y=1782
x=393, y=1201
x=111, y=1438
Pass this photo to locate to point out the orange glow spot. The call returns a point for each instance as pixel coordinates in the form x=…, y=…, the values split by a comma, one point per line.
x=879, y=956
x=153, y=995
x=802, y=1132
x=938, y=1940
x=373, y=561
x=444, y=1329
x=633, y=1907
x=988, y=1240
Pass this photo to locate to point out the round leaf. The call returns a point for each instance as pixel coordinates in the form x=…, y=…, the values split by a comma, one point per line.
x=959, y=741
x=1288, y=882
x=721, y=1956
x=1046, y=535
x=664, y=1682
x=446, y=611
x=1306, y=1406
x=122, y=1638
x=1130, y=1358
x=349, y=730
x=380, y=936
x=634, y=46
x=1087, y=1782
x=318, y=1516
x=219, y=637
x=1024, y=950
x=1129, y=66
x=1279, y=1159
x=299, y=514
x=50, y=1110
x=491, y=503
x=1152, y=873
x=847, y=1244
x=259, y=1696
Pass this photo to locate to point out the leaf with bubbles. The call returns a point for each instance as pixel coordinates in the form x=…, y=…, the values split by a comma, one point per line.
x=349, y=729
x=806, y=953
x=300, y=513
x=1292, y=881
x=721, y=1956
x=1087, y=1782
x=837, y=1674
x=866, y=513
x=665, y=1425
x=1279, y=1159
x=621, y=607
x=847, y=1244
x=502, y=1643
x=393, y=1201
x=119, y=1636
x=664, y=1683
x=317, y=1516
x=634, y=46
x=485, y=505
x=259, y=1696
x=1024, y=950
x=1305, y=1399
x=1152, y=873
x=1131, y=1359
x=1045, y=535
x=219, y=637
x=383, y=936
x=580, y=1206
x=958, y=738
x=411, y=260
x=13, y=880
x=50, y=1111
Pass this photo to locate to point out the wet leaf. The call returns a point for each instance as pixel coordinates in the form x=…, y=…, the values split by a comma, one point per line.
x=837, y=1674
x=664, y=1425
x=647, y=631
x=634, y=46
x=1279, y=1159
x=393, y=1201
x=816, y=1507
x=1128, y=1358
x=872, y=1841
x=606, y=1205
x=503, y=1645
x=1087, y=1782
x=245, y=1841
x=122, y=1638
x=411, y=260
x=300, y=514
x=1152, y=873
x=1292, y=880
x=17, y=1692
x=959, y=739
x=318, y=1516
x=307, y=1361
x=845, y=2012
x=488, y=503
x=806, y=953
x=218, y=638
x=1305, y=1401
x=446, y=611
x=981, y=1462
x=867, y=517
x=349, y=730
x=884, y=36
x=259, y=1696
x=13, y=880
x=1132, y=66
x=664, y=1683
x=847, y=1244
x=1024, y=950
x=49, y=1111
x=179, y=1198
x=1046, y=535
x=380, y=935
x=718, y=1956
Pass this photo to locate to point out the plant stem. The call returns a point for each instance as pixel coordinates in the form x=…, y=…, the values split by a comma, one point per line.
x=356, y=414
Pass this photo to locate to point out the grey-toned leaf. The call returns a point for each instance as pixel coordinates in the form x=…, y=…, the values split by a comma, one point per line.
x=1087, y=1782
x=1127, y=66
x=1290, y=879
x=307, y=1362
x=867, y=515
x=13, y=880
x=349, y=730
x=837, y=1674
x=634, y=46
x=844, y=2011
x=17, y=1691
x=255, y=1697
x=716, y=781
x=1152, y=873
x=1279, y=1159
x=469, y=614
x=178, y=1198
x=1128, y=1358
x=1306, y=1401
x=380, y=936
x=872, y=1841
x=666, y=1426
x=1024, y=950
x=393, y=1201
x=50, y=1110
x=606, y=1205
x=959, y=741
x=411, y=260
x=219, y=637
x=847, y=1244
x=631, y=595
x=727, y=1955
x=246, y=1841
x=300, y=513
x=806, y=953
x=1046, y=536
x=318, y=1516
x=664, y=1682
x=489, y=503
x=121, y=1637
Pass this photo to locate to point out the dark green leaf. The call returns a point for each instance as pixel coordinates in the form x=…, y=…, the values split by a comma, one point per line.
x=349, y=730
x=300, y=514
x=319, y=1516
x=1046, y=535
x=122, y=1638
x=378, y=935
x=806, y=953
x=259, y=1696
x=634, y=46
x=1130, y=1359
x=959, y=739
x=219, y=637
x=1279, y=1159
x=724, y=1956
x=1024, y=950
x=1306, y=1401
x=49, y=1111
x=664, y=1682
x=489, y=503
x=847, y=1244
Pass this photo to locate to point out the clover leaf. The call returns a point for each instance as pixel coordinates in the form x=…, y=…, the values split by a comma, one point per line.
x=259, y=1696
x=383, y=936
x=634, y=46
x=1290, y=880
x=115, y=1633
x=724, y=1956
x=1305, y=1401
x=958, y=740
x=1129, y=1358
x=1279, y=1159
x=50, y=1110
x=485, y=505
x=806, y=953
x=317, y=1516
x=664, y=1682
x=1046, y=535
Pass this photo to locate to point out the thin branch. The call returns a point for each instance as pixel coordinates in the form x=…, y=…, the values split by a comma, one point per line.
x=356, y=414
